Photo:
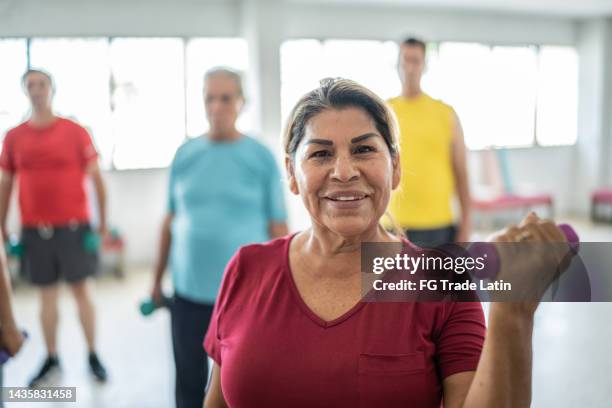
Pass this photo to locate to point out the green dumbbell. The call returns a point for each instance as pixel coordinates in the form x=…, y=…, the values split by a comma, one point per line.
x=92, y=242
x=149, y=306
x=14, y=247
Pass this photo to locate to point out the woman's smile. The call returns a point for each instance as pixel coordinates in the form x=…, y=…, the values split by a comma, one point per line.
x=344, y=200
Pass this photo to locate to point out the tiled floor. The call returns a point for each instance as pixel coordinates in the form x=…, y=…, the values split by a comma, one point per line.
x=572, y=360
x=136, y=350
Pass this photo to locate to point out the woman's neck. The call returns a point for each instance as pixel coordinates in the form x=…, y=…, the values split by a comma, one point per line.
x=330, y=255
x=321, y=240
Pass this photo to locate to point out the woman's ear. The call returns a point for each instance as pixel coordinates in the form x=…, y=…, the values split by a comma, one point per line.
x=397, y=172
x=293, y=187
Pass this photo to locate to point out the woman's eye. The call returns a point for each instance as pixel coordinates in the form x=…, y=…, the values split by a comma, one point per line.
x=364, y=149
x=320, y=154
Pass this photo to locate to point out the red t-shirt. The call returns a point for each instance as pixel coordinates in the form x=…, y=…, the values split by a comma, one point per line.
x=275, y=352
x=50, y=165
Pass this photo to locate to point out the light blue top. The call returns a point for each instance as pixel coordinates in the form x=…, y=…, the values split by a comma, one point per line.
x=223, y=195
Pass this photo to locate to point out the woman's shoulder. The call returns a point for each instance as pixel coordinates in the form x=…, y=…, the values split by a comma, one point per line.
x=260, y=259
x=272, y=250
x=254, y=265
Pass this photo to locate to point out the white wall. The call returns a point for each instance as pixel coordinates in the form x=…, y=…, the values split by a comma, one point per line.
x=137, y=198
x=292, y=20
x=591, y=155
x=537, y=170
x=136, y=205
x=386, y=22
x=58, y=18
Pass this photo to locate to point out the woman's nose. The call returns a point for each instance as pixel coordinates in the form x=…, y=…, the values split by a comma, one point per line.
x=344, y=169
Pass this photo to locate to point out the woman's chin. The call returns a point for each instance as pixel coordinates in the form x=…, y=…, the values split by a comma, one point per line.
x=350, y=227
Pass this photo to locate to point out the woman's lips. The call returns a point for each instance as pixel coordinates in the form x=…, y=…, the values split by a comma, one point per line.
x=346, y=200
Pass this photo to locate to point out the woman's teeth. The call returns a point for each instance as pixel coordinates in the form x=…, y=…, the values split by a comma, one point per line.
x=347, y=198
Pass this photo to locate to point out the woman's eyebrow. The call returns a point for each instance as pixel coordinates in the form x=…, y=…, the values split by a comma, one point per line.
x=326, y=142
x=363, y=137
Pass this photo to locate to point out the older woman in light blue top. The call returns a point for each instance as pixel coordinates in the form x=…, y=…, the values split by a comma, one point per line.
x=225, y=191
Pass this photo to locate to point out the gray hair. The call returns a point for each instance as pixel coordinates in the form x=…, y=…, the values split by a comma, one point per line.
x=227, y=72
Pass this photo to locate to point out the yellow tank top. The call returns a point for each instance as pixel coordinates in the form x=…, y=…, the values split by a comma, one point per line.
x=424, y=198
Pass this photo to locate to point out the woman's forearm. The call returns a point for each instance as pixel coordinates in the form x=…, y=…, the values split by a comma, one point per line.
x=503, y=377
x=6, y=311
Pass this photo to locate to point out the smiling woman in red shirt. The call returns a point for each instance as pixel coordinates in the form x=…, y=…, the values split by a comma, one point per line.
x=290, y=327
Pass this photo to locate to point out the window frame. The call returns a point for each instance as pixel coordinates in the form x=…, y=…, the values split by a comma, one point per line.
x=435, y=45
x=112, y=83
x=535, y=143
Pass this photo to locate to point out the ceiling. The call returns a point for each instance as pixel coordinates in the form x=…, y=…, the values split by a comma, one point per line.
x=558, y=8
x=565, y=8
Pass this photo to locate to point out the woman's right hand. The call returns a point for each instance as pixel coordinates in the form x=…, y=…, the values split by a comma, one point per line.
x=532, y=255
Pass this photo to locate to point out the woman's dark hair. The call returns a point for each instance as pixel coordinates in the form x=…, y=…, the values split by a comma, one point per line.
x=339, y=93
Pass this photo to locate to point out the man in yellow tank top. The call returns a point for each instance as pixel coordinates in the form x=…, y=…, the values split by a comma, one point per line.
x=433, y=160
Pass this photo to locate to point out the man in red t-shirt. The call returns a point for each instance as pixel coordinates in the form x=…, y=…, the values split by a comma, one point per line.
x=50, y=157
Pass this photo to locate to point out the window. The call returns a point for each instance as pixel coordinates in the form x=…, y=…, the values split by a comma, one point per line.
x=148, y=101
x=305, y=62
x=13, y=103
x=557, y=96
x=201, y=55
x=81, y=74
x=138, y=97
x=503, y=95
x=493, y=90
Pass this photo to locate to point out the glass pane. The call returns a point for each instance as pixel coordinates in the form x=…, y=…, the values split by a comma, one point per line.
x=148, y=101
x=492, y=90
x=371, y=63
x=514, y=89
x=463, y=77
x=430, y=81
x=557, y=96
x=305, y=62
x=201, y=55
x=80, y=69
x=301, y=70
x=13, y=103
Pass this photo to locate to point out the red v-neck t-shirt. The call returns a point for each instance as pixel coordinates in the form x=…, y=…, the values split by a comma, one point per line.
x=275, y=352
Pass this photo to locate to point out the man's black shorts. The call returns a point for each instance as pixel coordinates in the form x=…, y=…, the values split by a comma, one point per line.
x=54, y=253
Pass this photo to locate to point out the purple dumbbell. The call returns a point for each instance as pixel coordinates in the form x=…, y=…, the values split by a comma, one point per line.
x=4, y=355
x=488, y=250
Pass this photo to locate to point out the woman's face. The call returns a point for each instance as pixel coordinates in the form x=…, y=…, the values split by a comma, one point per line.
x=223, y=102
x=343, y=171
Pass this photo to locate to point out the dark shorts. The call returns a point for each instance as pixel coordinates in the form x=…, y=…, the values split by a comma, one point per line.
x=54, y=253
x=431, y=238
